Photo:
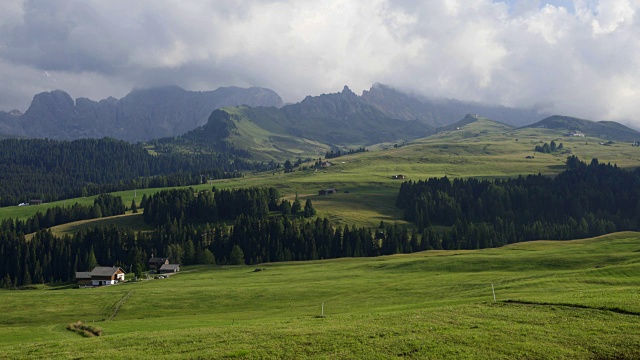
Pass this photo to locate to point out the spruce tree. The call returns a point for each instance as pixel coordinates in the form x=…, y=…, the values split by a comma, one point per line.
x=309, y=211
x=91, y=260
x=296, y=206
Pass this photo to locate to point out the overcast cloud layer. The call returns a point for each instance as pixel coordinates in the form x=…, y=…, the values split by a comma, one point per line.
x=579, y=58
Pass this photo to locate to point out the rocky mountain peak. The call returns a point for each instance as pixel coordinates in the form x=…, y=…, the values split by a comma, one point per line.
x=141, y=115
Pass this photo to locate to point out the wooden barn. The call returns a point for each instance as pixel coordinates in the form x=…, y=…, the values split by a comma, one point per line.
x=103, y=275
x=100, y=275
x=155, y=263
x=169, y=268
x=83, y=277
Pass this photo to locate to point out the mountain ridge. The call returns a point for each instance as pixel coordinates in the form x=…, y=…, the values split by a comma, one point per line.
x=602, y=129
x=441, y=112
x=141, y=115
x=312, y=126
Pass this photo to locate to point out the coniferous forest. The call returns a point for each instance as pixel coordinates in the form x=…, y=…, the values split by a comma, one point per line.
x=53, y=170
x=251, y=226
x=585, y=200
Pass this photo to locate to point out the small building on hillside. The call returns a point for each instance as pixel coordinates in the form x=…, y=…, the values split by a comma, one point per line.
x=398, y=177
x=101, y=275
x=35, y=202
x=155, y=263
x=327, y=191
x=575, y=133
x=83, y=277
x=169, y=268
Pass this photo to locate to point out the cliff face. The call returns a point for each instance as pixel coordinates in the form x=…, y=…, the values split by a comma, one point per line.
x=141, y=115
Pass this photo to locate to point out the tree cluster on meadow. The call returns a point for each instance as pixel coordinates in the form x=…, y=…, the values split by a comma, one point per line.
x=331, y=154
x=584, y=200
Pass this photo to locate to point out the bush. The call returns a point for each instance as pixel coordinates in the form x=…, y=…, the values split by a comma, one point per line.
x=84, y=329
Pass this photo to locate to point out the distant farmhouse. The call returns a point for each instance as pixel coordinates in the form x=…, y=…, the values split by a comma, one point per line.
x=169, y=268
x=328, y=191
x=155, y=263
x=101, y=275
x=575, y=133
x=398, y=177
x=162, y=265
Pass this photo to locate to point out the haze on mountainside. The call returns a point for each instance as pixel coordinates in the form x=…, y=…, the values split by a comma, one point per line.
x=337, y=118
x=574, y=58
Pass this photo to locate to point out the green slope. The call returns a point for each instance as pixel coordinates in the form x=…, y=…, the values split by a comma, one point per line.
x=480, y=149
x=607, y=130
x=308, y=128
x=571, y=299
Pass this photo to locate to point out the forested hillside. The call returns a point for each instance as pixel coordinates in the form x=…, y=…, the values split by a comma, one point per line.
x=583, y=201
x=52, y=170
x=193, y=228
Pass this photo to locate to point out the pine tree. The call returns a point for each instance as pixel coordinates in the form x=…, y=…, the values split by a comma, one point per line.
x=134, y=208
x=91, y=260
x=309, y=211
x=143, y=201
x=296, y=206
x=285, y=207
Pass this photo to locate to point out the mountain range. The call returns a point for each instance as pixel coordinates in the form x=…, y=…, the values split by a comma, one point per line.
x=146, y=114
x=441, y=112
x=141, y=115
x=254, y=123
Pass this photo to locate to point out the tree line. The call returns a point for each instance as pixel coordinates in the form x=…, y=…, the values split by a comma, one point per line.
x=256, y=234
x=250, y=226
x=337, y=153
x=103, y=206
x=53, y=170
x=249, y=240
x=585, y=200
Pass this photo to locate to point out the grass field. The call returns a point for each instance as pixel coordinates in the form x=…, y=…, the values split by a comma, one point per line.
x=572, y=299
x=481, y=149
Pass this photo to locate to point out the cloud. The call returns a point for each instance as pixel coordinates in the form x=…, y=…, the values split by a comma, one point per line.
x=580, y=60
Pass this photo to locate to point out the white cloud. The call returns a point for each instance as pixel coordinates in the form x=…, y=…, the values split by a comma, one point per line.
x=579, y=60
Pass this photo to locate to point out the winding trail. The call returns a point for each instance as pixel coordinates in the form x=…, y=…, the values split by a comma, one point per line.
x=119, y=304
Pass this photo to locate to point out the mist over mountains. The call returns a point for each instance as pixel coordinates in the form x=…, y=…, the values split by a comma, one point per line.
x=379, y=114
x=141, y=115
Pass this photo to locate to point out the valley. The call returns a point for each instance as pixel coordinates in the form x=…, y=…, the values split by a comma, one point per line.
x=559, y=299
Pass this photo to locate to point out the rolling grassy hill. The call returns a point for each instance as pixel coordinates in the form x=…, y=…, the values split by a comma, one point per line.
x=609, y=130
x=564, y=300
x=572, y=299
x=305, y=129
x=481, y=148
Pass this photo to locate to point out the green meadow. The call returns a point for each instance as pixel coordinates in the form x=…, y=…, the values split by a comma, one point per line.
x=561, y=300
x=366, y=191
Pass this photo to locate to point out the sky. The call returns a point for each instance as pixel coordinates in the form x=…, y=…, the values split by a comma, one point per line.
x=570, y=57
